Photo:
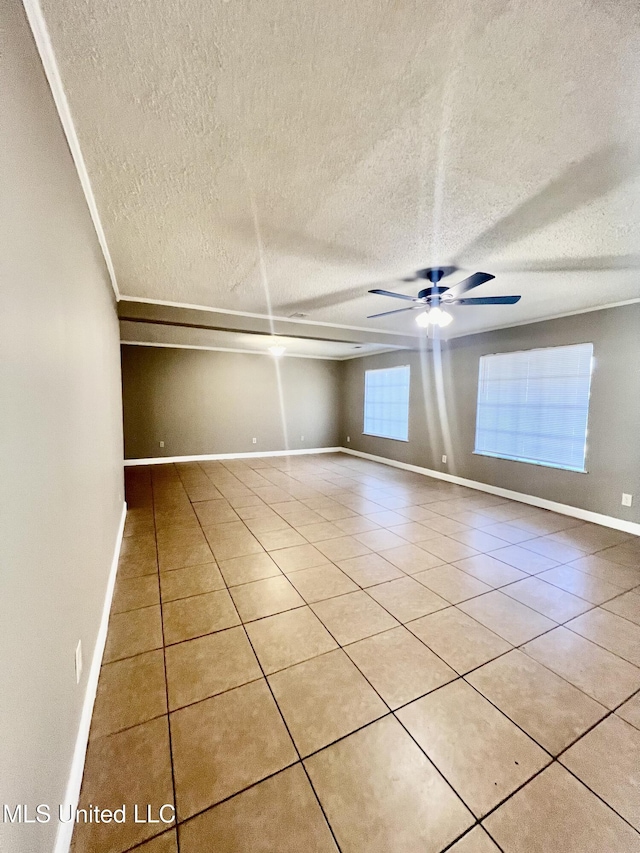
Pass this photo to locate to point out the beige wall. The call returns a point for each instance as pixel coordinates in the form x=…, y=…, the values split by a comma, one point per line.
x=202, y=401
x=61, y=485
x=613, y=452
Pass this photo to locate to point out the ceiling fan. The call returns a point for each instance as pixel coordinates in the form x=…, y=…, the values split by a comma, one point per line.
x=432, y=298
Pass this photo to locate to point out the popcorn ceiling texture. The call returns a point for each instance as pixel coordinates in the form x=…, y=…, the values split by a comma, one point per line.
x=367, y=138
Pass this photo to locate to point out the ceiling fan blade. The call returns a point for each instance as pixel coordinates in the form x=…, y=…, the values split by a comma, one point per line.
x=474, y=280
x=397, y=311
x=487, y=300
x=395, y=295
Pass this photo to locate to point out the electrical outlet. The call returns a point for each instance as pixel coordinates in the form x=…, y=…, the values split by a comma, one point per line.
x=348, y=439
x=627, y=500
x=78, y=661
x=162, y=444
x=444, y=459
x=255, y=440
x=301, y=438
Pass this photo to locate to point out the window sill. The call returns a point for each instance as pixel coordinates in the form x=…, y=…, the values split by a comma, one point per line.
x=387, y=437
x=532, y=462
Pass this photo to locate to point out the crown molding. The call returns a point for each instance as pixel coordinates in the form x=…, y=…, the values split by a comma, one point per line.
x=252, y=351
x=268, y=317
x=225, y=349
x=47, y=56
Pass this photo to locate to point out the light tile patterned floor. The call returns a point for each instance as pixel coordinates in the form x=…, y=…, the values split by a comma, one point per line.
x=324, y=653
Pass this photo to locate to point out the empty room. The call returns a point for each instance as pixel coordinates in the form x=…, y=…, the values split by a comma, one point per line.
x=320, y=426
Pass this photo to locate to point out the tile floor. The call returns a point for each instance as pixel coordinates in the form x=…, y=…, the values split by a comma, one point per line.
x=324, y=653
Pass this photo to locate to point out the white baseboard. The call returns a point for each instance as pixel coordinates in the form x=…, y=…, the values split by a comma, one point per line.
x=72, y=794
x=212, y=457
x=563, y=509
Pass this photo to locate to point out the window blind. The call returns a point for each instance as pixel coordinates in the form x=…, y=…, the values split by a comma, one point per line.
x=533, y=406
x=386, y=403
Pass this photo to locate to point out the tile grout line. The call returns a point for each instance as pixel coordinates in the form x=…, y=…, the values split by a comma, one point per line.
x=601, y=798
x=295, y=746
x=594, y=606
x=550, y=755
x=554, y=759
x=558, y=624
x=391, y=713
x=164, y=660
x=458, y=676
x=476, y=825
x=285, y=725
x=141, y=844
x=264, y=676
x=610, y=712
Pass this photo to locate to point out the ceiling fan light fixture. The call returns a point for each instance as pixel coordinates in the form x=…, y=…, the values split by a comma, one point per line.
x=438, y=317
x=433, y=317
x=277, y=351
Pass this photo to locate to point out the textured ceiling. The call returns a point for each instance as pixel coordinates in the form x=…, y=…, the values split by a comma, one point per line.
x=277, y=157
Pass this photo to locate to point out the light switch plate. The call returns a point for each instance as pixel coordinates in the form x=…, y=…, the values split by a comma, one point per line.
x=78, y=661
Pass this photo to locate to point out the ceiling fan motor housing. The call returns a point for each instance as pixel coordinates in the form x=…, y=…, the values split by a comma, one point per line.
x=434, y=274
x=430, y=292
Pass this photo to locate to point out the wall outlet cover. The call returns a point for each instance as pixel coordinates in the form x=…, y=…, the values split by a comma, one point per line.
x=255, y=440
x=162, y=444
x=627, y=500
x=444, y=459
x=348, y=439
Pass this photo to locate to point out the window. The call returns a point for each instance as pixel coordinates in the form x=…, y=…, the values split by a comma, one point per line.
x=386, y=403
x=533, y=406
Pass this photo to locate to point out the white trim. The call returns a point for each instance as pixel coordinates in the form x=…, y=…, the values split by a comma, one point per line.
x=72, y=794
x=563, y=509
x=47, y=55
x=393, y=367
x=269, y=317
x=390, y=348
x=253, y=351
x=226, y=349
x=418, y=337
x=212, y=457
x=590, y=310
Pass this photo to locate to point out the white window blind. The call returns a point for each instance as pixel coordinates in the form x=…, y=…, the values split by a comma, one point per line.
x=386, y=402
x=533, y=406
